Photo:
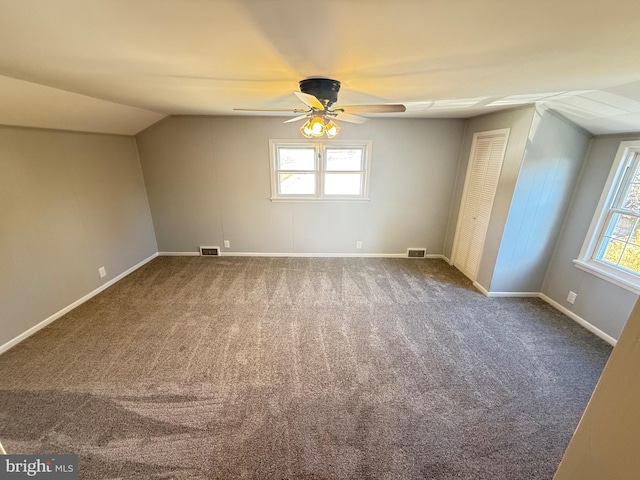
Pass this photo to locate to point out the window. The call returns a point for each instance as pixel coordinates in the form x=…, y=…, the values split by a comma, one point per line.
x=612, y=248
x=303, y=170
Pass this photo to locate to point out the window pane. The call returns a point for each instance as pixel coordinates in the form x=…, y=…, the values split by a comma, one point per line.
x=343, y=184
x=632, y=201
x=297, y=183
x=631, y=258
x=636, y=178
x=620, y=226
x=611, y=250
x=635, y=233
x=344, y=159
x=296, y=159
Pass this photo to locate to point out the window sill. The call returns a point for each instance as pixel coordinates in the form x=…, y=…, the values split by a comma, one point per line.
x=628, y=282
x=321, y=199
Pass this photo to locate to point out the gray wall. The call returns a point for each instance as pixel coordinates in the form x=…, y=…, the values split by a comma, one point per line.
x=519, y=121
x=69, y=204
x=602, y=304
x=549, y=172
x=73, y=202
x=605, y=445
x=208, y=180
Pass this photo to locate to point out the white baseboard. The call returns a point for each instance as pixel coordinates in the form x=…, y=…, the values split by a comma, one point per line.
x=505, y=294
x=595, y=330
x=68, y=308
x=513, y=294
x=481, y=288
x=578, y=319
x=319, y=255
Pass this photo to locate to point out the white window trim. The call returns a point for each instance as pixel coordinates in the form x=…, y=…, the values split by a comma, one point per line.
x=585, y=260
x=320, y=147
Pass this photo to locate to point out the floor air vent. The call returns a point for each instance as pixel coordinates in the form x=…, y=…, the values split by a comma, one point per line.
x=416, y=252
x=210, y=251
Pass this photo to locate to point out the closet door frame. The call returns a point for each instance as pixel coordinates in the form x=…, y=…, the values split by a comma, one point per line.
x=503, y=132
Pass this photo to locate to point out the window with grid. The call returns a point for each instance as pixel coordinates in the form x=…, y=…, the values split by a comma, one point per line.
x=612, y=249
x=319, y=171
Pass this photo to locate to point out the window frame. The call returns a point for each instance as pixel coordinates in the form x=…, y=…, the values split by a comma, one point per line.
x=320, y=148
x=620, y=175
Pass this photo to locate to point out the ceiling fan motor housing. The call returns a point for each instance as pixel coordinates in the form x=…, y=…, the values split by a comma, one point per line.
x=324, y=89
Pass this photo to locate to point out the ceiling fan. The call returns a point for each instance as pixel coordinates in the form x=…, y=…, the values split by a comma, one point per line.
x=319, y=95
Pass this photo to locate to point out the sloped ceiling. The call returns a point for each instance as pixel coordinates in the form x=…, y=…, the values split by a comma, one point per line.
x=118, y=66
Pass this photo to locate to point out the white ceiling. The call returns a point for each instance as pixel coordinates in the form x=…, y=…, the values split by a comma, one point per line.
x=118, y=66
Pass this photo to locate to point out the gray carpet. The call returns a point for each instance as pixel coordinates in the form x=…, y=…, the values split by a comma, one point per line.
x=301, y=368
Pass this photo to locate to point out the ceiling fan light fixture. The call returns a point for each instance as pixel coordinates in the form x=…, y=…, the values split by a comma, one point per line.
x=316, y=127
x=331, y=129
x=316, y=124
x=306, y=129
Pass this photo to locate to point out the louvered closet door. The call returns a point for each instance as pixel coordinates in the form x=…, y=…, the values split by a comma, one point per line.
x=480, y=189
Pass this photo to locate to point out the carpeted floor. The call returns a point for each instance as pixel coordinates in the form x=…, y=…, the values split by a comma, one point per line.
x=301, y=368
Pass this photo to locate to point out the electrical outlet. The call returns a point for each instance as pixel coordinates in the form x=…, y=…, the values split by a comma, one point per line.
x=102, y=272
x=571, y=297
x=227, y=244
x=358, y=244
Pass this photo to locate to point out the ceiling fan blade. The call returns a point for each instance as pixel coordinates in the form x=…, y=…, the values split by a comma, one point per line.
x=384, y=108
x=295, y=119
x=290, y=110
x=310, y=100
x=347, y=117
